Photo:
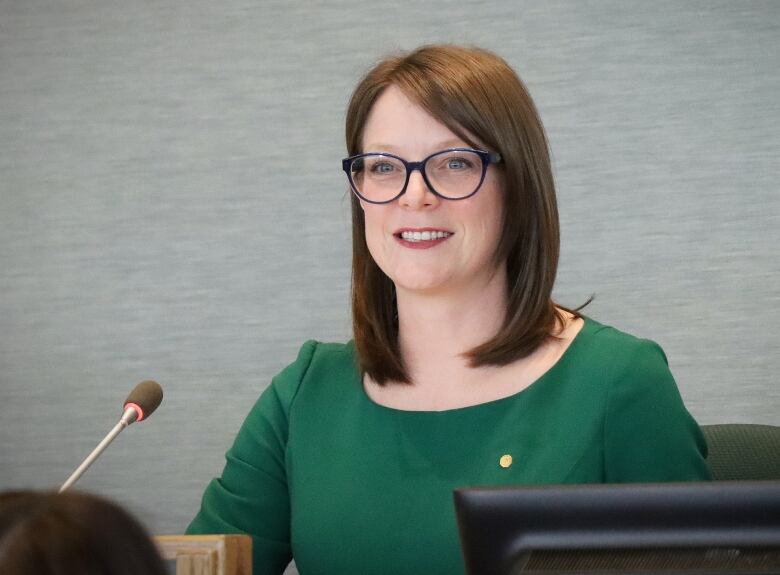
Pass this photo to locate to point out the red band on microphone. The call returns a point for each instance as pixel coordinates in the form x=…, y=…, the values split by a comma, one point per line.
x=138, y=410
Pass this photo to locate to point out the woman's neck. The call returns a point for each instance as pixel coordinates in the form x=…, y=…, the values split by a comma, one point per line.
x=436, y=329
x=434, y=332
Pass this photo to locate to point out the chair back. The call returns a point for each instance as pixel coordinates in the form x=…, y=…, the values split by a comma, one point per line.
x=743, y=451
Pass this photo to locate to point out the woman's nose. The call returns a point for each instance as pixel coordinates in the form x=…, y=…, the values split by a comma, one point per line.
x=418, y=195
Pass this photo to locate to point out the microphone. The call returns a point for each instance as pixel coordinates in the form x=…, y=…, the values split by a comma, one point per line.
x=139, y=405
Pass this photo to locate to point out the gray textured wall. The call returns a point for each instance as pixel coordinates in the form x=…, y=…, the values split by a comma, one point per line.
x=171, y=205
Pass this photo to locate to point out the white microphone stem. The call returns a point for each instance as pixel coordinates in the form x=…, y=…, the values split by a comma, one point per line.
x=128, y=417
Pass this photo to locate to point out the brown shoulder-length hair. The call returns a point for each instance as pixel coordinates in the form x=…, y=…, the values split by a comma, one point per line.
x=476, y=95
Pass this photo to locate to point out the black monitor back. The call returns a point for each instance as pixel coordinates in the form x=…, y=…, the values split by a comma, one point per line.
x=665, y=528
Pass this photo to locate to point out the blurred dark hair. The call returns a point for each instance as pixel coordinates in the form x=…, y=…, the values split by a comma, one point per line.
x=44, y=533
x=476, y=94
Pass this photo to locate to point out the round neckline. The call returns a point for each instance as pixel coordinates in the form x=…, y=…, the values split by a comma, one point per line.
x=588, y=324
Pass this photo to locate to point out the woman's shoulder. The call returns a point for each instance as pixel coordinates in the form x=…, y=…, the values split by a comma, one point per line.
x=610, y=350
x=318, y=364
x=328, y=357
x=628, y=373
x=614, y=341
x=290, y=393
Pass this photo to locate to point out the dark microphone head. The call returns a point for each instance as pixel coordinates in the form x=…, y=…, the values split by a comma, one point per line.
x=144, y=398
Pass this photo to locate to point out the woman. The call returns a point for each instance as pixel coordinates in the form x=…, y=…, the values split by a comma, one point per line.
x=462, y=371
x=72, y=533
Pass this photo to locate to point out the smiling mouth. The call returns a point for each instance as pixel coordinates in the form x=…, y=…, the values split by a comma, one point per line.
x=422, y=236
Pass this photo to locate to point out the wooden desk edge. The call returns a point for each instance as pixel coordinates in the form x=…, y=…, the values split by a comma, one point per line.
x=234, y=552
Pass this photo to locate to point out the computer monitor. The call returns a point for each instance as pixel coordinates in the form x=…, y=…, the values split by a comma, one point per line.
x=664, y=528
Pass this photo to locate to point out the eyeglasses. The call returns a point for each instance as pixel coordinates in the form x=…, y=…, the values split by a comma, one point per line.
x=452, y=174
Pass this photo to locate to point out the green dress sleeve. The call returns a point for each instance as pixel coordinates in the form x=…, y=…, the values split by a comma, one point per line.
x=252, y=495
x=649, y=436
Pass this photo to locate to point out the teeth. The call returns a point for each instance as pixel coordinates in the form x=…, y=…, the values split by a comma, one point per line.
x=424, y=236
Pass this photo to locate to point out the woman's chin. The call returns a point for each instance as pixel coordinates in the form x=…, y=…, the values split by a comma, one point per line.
x=422, y=285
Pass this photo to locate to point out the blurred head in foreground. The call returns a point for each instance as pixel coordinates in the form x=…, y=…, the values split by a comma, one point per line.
x=72, y=533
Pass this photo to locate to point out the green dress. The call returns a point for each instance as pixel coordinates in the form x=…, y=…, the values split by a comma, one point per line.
x=320, y=472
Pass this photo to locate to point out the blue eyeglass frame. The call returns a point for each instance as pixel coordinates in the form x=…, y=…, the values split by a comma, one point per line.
x=486, y=157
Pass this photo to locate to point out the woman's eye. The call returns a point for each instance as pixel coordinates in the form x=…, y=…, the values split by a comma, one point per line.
x=382, y=168
x=458, y=164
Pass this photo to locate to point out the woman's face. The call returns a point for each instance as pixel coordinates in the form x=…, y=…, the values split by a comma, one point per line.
x=463, y=259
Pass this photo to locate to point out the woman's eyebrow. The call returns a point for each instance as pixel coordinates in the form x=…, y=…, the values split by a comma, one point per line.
x=451, y=143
